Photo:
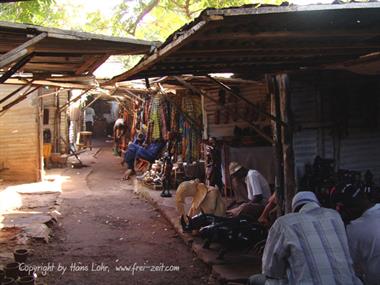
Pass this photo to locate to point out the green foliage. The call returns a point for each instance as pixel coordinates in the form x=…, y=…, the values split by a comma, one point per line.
x=38, y=12
x=156, y=19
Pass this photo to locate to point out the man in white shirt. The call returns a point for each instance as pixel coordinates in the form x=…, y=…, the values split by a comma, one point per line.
x=118, y=135
x=250, y=188
x=363, y=232
x=89, y=118
x=308, y=246
x=257, y=186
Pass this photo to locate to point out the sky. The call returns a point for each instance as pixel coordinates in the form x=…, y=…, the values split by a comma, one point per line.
x=105, y=6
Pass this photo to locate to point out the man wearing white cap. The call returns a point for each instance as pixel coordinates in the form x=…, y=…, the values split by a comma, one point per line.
x=308, y=246
x=251, y=190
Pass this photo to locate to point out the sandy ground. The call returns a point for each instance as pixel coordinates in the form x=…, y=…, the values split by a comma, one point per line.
x=105, y=229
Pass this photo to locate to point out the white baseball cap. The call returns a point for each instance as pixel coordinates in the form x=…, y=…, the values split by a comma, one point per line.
x=303, y=197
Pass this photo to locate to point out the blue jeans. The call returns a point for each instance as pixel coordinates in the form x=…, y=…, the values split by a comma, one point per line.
x=257, y=279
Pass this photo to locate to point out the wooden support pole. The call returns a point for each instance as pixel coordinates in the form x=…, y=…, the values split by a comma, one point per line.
x=276, y=109
x=15, y=67
x=20, y=51
x=147, y=83
x=57, y=117
x=232, y=92
x=52, y=93
x=287, y=141
x=127, y=97
x=195, y=90
x=18, y=100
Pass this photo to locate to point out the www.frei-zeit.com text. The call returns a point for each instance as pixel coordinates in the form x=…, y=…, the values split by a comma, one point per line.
x=44, y=269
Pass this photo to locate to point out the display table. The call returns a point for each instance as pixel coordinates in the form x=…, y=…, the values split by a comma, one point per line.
x=84, y=140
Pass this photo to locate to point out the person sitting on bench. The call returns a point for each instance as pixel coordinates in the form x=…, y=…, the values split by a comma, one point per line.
x=136, y=151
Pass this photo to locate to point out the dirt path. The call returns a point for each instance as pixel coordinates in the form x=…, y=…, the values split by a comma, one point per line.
x=105, y=227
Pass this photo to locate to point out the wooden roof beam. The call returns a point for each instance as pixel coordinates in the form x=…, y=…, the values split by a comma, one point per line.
x=90, y=60
x=15, y=67
x=271, y=52
x=277, y=46
x=133, y=95
x=65, y=106
x=98, y=63
x=69, y=85
x=20, y=51
x=290, y=35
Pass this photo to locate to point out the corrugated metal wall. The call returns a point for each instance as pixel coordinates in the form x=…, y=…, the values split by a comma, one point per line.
x=312, y=99
x=19, y=139
x=304, y=107
x=255, y=92
x=361, y=151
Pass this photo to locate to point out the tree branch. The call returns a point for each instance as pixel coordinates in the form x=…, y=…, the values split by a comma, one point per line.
x=149, y=7
x=187, y=9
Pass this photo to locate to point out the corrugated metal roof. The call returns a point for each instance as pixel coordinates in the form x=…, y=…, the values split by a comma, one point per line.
x=252, y=41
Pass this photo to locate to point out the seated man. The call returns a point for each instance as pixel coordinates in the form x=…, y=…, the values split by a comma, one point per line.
x=129, y=159
x=139, y=139
x=363, y=232
x=251, y=191
x=151, y=152
x=135, y=151
x=130, y=153
x=308, y=246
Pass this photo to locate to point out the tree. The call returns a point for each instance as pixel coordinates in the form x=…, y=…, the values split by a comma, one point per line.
x=156, y=19
x=38, y=12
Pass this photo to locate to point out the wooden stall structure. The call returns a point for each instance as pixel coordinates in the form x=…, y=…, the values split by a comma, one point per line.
x=234, y=111
x=271, y=44
x=38, y=68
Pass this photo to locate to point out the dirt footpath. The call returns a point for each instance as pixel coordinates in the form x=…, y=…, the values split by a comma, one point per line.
x=107, y=235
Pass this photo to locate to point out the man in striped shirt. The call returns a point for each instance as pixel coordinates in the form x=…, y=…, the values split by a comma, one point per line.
x=363, y=232
x=308, y=246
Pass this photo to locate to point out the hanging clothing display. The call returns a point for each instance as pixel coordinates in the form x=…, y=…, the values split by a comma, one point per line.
x=155, y=117
x=191, y=140
x=164, y=121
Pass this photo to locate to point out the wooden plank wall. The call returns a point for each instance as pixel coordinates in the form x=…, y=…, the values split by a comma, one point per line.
x=19, y=139
x=255, y=92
